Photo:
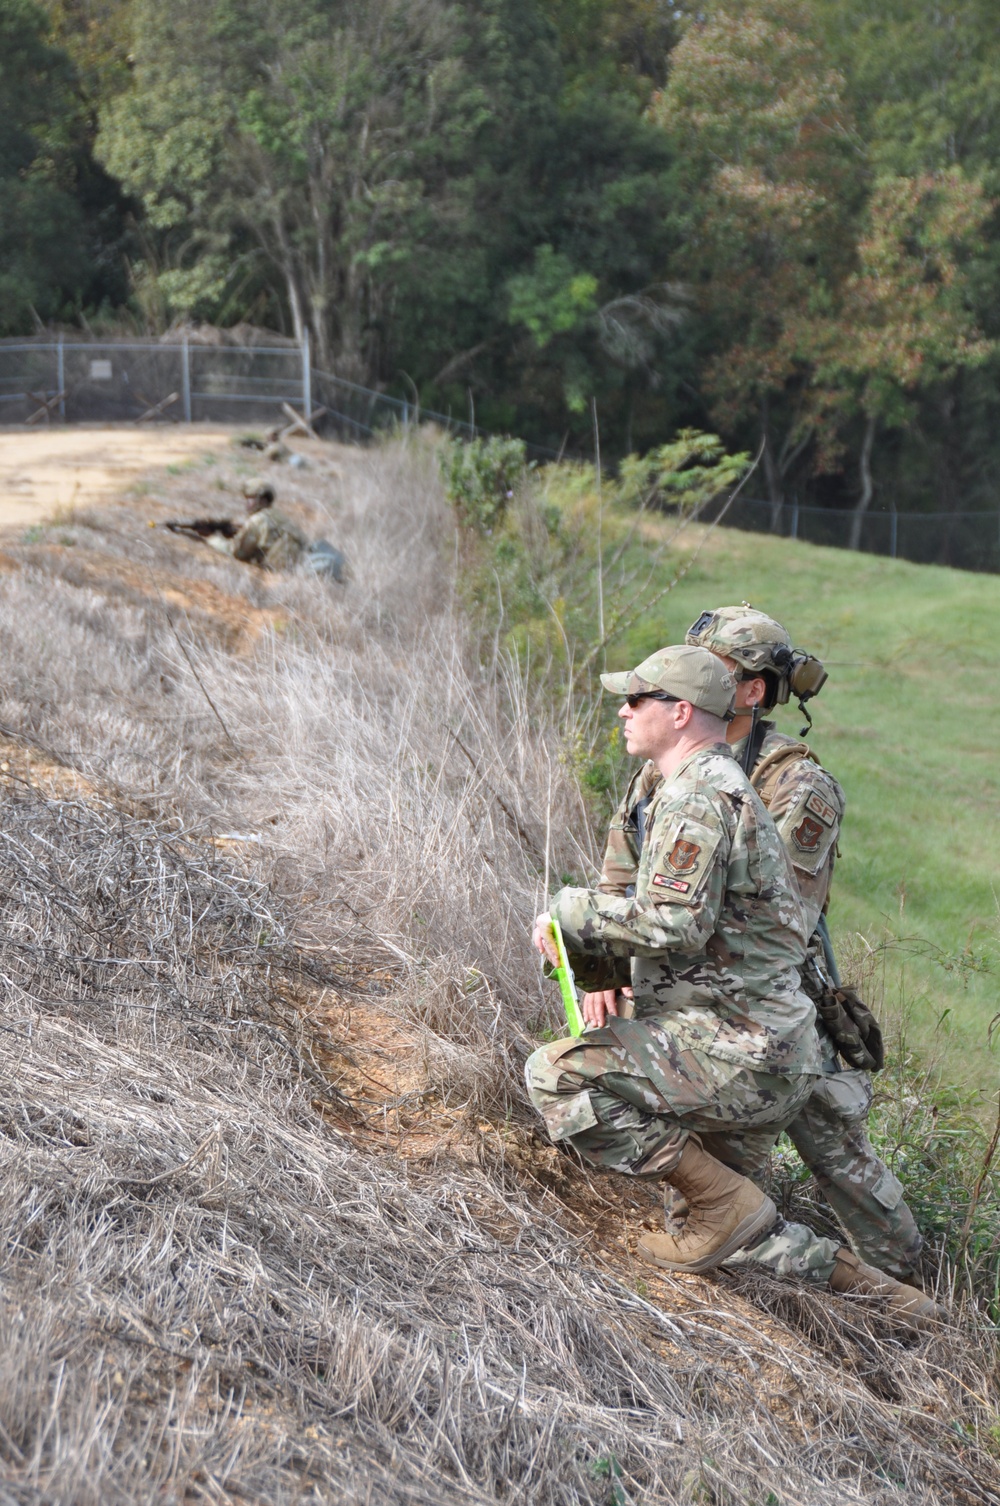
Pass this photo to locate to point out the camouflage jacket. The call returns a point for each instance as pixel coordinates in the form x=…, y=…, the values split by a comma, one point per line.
x=713, y=930
x=807, y=806
x=269, y=538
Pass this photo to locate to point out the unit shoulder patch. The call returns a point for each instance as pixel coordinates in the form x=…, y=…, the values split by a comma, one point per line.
x=680, y=859
x=809, y=829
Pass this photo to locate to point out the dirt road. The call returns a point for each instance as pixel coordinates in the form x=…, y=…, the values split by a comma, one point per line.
x=43, y=471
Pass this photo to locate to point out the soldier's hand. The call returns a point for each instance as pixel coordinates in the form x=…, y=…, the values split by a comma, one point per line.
x=597, y=1006
x=542, y=937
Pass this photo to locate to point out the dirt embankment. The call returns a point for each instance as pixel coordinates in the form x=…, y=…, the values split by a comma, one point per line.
x=278, y=1225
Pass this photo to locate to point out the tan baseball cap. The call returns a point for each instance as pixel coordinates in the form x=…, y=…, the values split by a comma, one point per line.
x=690, y=674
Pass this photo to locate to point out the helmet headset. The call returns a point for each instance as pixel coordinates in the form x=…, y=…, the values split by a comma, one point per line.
x=759, y=646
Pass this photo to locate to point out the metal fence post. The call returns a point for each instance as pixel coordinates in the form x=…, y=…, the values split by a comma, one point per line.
x=795, y=520
x=186, y=379
x=61, y=376
x=893, y=524
x=307, y=402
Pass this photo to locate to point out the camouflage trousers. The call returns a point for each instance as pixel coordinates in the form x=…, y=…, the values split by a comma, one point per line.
x=632, y=1110
x=829, y=1135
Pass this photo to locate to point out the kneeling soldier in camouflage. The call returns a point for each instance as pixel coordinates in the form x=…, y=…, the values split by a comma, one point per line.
x=807, y=804
x=710, y=941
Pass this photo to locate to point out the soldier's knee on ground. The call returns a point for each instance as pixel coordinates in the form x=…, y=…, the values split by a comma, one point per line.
x=788, y=1249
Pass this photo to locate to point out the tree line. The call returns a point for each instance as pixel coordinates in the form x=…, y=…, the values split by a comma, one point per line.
x=775, y=219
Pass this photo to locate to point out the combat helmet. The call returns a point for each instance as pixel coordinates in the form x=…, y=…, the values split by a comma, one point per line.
x=760, y=646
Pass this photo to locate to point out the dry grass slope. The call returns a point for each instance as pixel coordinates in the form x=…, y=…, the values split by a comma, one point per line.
x=242, y=813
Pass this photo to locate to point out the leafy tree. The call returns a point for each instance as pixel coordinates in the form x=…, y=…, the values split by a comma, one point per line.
x=923, y=80
x=536, y=153
x=831, y=298
x=904, y=322
x=767, y=158
x=44, y=266
x=96, y=35
x=923, y=77
x=423, y=187
x=283, y=134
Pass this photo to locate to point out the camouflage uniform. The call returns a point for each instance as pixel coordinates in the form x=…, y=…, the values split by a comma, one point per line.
x=710, y=938
x=807, y=805
x=829, y=1134
x=270, y=539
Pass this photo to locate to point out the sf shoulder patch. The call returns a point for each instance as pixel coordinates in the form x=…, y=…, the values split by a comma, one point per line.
x=809, y=829
x=681, y=860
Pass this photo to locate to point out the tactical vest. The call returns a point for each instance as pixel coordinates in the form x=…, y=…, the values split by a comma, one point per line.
x=851, y=1028
x=764, y=775
x=766, y=772
x=841, y=1014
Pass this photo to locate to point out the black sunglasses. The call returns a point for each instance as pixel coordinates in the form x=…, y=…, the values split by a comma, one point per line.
x=632, y=701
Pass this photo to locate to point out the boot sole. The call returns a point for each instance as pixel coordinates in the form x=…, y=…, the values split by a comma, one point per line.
x=754, y=1223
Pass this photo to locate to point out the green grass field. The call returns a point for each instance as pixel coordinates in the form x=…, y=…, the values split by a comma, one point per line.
x=909, y=722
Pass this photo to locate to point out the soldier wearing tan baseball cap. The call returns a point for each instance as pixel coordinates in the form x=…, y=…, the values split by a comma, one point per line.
x=719, y=1038
x=680, y=673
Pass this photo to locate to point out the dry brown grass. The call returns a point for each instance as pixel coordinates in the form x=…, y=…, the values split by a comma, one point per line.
x=220, y=1281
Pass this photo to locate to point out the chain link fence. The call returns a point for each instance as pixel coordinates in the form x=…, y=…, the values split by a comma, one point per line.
x=967, y=540
x=94, y=381
x=184, y=380
x=180, y=380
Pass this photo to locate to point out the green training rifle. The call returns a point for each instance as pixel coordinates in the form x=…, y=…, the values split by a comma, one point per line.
x=567, y=986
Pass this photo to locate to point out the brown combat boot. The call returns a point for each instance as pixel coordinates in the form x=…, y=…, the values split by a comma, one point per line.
x=725, y=1212
x=912, y=1306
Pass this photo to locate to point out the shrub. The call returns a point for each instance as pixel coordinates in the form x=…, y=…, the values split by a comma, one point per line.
x=481, y=476
x=684, y=474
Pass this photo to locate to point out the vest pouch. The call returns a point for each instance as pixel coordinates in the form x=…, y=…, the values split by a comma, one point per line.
x=852, y=1027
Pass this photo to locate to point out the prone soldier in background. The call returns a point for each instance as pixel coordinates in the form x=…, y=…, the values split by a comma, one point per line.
x=268, y=538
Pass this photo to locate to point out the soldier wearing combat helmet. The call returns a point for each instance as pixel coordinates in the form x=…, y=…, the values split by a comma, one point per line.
x=807, y=805
x=709, y=941
x=806, y=802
